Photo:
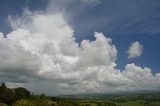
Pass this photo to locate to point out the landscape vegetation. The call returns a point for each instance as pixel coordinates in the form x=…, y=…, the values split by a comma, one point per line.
x=22, y=97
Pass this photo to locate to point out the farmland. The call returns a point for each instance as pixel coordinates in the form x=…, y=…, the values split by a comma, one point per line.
x=112, y=100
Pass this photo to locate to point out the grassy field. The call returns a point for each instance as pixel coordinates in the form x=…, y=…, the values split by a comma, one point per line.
x=116, y=100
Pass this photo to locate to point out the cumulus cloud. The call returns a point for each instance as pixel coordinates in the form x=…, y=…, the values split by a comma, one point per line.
x=42, y=52
x=1, y=34
x=135, y=50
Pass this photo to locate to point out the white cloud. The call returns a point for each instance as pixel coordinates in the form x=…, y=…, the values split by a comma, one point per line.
x=41, y=51
x=1, y=35
x=135, y=50
x=52, y=25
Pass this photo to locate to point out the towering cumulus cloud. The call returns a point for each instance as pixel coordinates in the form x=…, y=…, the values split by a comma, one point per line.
x=42, y=51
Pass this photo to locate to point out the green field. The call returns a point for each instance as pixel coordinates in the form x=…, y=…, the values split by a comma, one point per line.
x=116, y=100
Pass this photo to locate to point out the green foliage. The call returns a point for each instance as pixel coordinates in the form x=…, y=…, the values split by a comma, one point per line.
x=42, y=95
x=40, y=102
x=21, y=93
x=44, y=103
x=22, y=97
x=3, y=86
x=24, y=102
x=112, y=100
x=6, y=94
x=87, y=105
x=2, y=104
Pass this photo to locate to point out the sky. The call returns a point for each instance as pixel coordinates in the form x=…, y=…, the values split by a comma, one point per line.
x=80, y=46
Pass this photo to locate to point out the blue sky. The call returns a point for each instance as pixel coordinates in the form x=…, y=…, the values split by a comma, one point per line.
x=31, y=52
x=124, y=21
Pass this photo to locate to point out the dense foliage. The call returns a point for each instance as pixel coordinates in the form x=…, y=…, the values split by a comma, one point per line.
x=6, y=94
x=21, y=93
x=22, y=97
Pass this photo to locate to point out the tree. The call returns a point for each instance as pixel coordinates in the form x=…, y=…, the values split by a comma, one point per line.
x=21, y=93
x=42, y=96
x=6, y=95
x=3, y=86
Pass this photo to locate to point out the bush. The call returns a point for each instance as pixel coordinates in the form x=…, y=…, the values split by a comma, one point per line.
x=24, y=102
x=44, y=103
x=2, y=104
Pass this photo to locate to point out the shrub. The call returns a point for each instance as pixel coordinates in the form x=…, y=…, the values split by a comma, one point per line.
x=24, y=102
x=2, y=104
